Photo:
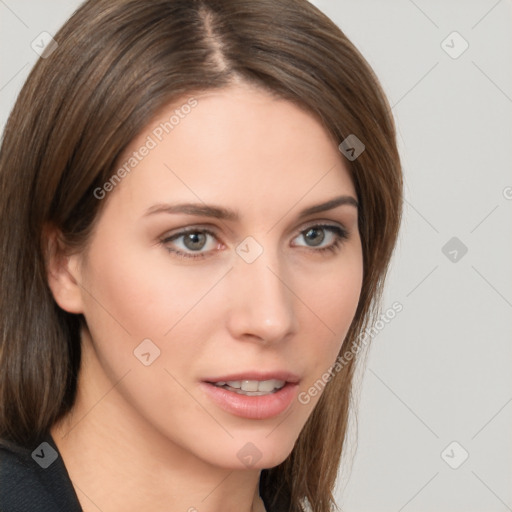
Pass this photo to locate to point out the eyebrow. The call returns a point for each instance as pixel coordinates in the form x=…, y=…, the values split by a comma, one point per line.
x=219, y=212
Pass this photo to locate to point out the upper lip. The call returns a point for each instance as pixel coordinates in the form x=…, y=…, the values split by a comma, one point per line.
x=254, y=375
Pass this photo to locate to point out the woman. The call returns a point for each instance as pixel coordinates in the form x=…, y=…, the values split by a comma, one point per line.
x=200, y=200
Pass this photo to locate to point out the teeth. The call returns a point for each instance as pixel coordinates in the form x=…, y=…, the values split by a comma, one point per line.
x=253, y=386
x=268, y=385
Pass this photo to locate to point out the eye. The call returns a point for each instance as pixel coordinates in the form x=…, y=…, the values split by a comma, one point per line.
x=191, y=243
x=199, y=242
x=325, y=237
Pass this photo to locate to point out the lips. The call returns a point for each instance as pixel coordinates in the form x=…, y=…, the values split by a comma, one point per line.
x=253, y=395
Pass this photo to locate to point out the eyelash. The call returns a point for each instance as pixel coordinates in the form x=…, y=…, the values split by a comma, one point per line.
x=340, y=233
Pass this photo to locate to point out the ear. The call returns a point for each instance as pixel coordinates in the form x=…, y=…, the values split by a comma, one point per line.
x=63, y=272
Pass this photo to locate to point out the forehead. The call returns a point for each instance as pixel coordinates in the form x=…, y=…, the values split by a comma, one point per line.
x=237, y=145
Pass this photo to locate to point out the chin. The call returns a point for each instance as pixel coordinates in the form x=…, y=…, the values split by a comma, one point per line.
x=252, y=452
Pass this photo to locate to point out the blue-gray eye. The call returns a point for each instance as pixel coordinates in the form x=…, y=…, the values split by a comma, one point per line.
x=316, y=235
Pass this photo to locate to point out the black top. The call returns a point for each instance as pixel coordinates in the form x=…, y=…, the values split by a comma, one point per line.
x=37, y=480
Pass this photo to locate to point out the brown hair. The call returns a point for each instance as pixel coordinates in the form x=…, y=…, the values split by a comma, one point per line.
x=117, y=63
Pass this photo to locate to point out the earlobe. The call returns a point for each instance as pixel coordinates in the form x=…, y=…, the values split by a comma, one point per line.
x=62, y=272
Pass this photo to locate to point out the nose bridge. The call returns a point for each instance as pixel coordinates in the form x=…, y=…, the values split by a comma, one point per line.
x=262, y=304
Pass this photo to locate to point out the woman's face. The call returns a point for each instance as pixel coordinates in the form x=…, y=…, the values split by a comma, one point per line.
x=211, y=263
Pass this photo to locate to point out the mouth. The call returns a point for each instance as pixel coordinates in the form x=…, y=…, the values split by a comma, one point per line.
x=253, y=395
x=251, y=387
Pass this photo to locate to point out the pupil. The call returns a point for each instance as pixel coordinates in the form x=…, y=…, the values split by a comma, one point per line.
x=311, y=236
x=195, y=240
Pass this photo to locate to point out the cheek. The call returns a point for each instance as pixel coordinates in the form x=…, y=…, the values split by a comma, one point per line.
x=141, y=295
x=140, y=288
x=332, y=302
x=335, y=298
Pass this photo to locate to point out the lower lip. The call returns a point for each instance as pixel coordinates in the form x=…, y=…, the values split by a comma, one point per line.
x=252, y=407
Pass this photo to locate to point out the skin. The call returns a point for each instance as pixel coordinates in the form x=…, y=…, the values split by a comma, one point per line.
x=147, y=437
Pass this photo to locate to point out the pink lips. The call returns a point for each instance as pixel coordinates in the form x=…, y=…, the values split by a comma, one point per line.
x=253, y=407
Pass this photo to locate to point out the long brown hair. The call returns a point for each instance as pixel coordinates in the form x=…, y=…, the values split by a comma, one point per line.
x=116, y=64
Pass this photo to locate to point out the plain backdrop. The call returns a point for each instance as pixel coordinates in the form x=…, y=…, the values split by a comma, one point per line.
x=434, y=418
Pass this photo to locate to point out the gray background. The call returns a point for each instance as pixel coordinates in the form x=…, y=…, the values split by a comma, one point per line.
x=440, y=371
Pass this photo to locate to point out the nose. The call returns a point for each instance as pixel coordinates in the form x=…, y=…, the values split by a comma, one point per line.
x=261, y=300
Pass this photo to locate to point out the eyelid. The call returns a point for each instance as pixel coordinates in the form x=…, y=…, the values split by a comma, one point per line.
x=212, y=230
x=189, y=229
x=324, y=223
